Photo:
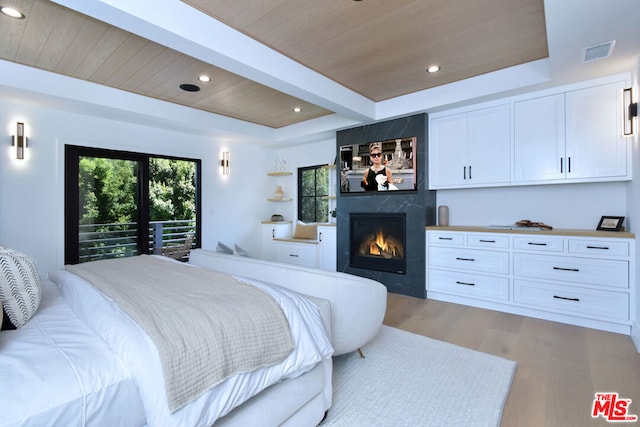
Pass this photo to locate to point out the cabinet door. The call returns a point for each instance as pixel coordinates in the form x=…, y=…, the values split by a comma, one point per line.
x=269, y=232
x=327, y=248
x=488, y=146
x=447, y=151
x=539, y=139
x=595, y=145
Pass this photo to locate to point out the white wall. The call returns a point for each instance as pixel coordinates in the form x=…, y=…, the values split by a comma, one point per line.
x=561, y=206
x=633, y=200
x=32, y=190
x=319, y=153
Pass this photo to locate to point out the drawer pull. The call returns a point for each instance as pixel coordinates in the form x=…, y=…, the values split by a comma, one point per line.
x=465, y=259
x=487, y=241
x=598, y=247
x=566, y=298
x=293, y=255
x=465, y=283
x=536, y=244
x=445, y=238
x=566, y=269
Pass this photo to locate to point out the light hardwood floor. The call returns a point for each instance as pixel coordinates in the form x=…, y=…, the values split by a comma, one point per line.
x=560, y=367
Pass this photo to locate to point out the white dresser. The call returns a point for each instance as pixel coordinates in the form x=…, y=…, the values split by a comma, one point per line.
x=571, y=276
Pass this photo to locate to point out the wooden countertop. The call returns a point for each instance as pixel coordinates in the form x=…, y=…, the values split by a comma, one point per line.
x=554, y=232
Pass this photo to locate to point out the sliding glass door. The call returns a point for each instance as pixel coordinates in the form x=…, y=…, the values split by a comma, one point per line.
x=120, y=204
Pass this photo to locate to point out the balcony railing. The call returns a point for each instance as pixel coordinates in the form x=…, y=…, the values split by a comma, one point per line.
x=103, y=241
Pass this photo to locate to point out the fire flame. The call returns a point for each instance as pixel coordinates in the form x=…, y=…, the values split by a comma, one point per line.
x=379, y=245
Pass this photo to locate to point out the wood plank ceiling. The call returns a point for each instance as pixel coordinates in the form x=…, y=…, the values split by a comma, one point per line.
x=381, y=48
x=378, y=48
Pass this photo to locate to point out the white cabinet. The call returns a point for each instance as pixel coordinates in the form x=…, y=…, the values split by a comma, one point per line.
x=539, y=135
x=574, y=136
x=300, y=253
x=459, y=265
x=470, y=148
x=278, y=245
x=595, y=145
x=582, y=280
x=327, y=247
x=271, y=230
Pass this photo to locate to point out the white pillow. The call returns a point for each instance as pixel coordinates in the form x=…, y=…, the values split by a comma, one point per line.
x=224, y=248
x=239, y=251
x=19, y=286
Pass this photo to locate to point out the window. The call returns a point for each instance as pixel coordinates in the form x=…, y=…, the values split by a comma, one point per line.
x=121, y=204
x=313, y=192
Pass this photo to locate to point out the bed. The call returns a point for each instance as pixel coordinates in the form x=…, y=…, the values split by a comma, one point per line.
x=55, y=371
x=294, y=392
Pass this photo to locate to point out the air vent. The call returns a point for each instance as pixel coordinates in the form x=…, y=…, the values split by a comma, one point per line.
x=599, y=51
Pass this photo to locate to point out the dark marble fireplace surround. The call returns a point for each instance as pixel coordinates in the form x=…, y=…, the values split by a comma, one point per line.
x=418, y=206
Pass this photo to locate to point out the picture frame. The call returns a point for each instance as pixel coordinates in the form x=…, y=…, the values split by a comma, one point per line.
x=610, y=223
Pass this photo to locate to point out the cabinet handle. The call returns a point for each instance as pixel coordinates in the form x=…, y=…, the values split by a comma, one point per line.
x=469, y=171
x=293, y=255
x=566, y=298
x=465, y=283
x=273, y=233
x=565, y=269
x=536, y=244
x=606, y=248
x=464, y=173
x=465, y=259
x=561, y=169
x=487, y=241
x=569, y=161
x=445, y=238
x=320, y=236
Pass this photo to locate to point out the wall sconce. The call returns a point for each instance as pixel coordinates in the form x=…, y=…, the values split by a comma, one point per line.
x=19, y=140
x=225, y=163
x=630, y=110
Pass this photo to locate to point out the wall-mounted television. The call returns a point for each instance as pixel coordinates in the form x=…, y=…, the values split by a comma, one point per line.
x=378, y=166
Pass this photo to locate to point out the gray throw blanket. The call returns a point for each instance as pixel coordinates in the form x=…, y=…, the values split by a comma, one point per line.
x=206, y=325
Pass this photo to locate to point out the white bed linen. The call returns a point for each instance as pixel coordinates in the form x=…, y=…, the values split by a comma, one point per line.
x=132, y=344
x=55, y=372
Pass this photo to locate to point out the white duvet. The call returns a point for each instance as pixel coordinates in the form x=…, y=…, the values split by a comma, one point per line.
x=55, y=372
x=137, y=351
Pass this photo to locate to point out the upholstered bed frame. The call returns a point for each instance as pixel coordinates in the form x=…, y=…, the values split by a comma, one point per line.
x=352, y=308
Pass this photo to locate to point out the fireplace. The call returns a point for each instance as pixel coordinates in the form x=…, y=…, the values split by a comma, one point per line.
x=377, y=241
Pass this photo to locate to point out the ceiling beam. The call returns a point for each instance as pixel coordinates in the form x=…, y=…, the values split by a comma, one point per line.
x=178, y=26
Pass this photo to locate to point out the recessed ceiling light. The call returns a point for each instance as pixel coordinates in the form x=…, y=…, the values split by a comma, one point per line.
x=11, y=12
x=204, y=78
x=297, y=109
x=189, y=87
x=433, y=69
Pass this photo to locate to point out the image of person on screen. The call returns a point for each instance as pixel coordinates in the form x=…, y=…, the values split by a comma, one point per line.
x=377, y=177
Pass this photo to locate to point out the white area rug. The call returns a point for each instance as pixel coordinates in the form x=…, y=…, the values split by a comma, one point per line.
x=410, y=380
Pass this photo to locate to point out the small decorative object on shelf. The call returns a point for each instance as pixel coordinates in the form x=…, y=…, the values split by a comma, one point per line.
x=281, y=164
x=611, y=223
x=525, y=223
x=279, y=194
x=277, y=218
x=443, y=216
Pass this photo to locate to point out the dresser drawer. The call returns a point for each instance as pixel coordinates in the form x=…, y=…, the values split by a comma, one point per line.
x=599, y=247
x=539, y=243
x=488, y=241
x=445, y=238
x=469, y=260
x=602, y=272
x=572, y=300
x=297, y=253
x=470, y=285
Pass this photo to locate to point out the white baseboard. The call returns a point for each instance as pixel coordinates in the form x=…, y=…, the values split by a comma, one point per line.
x=635, y=334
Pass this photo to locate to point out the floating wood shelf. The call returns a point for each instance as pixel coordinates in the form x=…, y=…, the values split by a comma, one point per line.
x=279, y=173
